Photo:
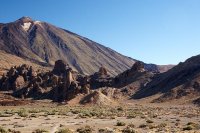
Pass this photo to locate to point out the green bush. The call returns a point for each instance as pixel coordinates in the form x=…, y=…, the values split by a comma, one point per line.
x=131, y=125
x=162, y=125
x=188, y=128
x=120, y=123
x=86, y=129
x=13, y=131
x=128, y=130
x=22, y=113
x=64, y=131
x=40, y=131
x=149, y=121
x=142, y=126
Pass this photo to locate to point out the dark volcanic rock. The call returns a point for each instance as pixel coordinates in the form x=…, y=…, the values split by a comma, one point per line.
x=197, y=101
x=62, y=84
x=59, y=68
x=138, y=66
x=100, y=79
x=133, y=79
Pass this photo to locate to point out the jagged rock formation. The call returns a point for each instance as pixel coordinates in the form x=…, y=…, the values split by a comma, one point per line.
x=60, y=84
x=181, y=81
x=133, y=79
x=64, y=84
x=100, y=79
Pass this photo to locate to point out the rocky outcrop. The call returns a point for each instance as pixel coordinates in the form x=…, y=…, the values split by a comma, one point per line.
x=63, y=84
x=180, y=81
x=60, y=68
x=60, y=84
x=138, y=66
x=102, y=71
x=133, y=79
x=100, y=79
x=16, y=77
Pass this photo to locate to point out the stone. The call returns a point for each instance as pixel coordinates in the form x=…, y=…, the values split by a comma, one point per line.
x=138, y=66
x=54, y=80
x=86, y=89
x=11, y=72
x=59, y=68
x=69, y=79
x=103, y=71
x=19, y=83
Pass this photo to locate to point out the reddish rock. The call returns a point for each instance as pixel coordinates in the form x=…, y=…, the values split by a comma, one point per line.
x=19, y=83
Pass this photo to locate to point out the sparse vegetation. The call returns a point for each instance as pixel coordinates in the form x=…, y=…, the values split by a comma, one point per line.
x=125, y=125
x=162, y=125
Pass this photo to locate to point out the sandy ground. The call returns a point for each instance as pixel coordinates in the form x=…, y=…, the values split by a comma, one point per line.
x=174, y=117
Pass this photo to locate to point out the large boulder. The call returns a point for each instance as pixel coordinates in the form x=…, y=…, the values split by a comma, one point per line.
x=100, y=79
x=138, y=66
x=59, y=68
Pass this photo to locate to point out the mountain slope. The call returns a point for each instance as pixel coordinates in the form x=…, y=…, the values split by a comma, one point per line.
x=181, y=81
x=9, y=60
x=41, y=42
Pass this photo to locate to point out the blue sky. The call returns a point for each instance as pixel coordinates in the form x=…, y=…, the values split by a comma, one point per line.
x=154, y=31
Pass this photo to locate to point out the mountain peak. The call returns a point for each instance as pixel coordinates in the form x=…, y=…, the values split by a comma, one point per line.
x=25, y=18
x=46, y=43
